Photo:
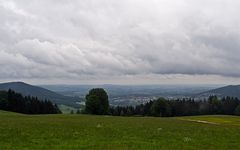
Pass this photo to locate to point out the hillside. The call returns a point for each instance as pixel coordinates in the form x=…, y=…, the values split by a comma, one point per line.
x=65, y=132
x=41, y=93
x=231, y=90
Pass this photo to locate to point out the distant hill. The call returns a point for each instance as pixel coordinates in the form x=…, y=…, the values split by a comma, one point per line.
x=41, y=93
x=231, y=90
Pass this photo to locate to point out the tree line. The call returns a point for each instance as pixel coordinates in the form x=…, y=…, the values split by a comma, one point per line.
x=97, y=103
x=12, y=101
x=185, y=107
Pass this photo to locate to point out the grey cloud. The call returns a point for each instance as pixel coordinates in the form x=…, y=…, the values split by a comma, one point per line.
x=106, y=38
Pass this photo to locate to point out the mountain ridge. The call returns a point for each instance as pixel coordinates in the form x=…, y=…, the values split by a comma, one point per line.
x=229, y=90
x=37, y=91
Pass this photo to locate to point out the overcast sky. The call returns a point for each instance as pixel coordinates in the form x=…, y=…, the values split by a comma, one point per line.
x=120, y=41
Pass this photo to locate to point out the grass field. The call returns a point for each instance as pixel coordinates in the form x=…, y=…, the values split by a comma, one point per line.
x=103, y=132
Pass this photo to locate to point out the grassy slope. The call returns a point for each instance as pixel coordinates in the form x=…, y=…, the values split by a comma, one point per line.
x=101, y=132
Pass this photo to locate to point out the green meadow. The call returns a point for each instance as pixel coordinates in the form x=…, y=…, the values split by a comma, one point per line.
x=56, y=132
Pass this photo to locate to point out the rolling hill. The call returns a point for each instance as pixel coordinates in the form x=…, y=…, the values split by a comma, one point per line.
x=231, y=90
x=41, y=93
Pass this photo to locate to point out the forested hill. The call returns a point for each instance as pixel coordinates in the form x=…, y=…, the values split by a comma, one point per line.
x=15, y=102
x=231, y=90
x=41, y=93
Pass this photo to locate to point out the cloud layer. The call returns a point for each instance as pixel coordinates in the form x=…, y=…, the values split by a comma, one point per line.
x=102, y=39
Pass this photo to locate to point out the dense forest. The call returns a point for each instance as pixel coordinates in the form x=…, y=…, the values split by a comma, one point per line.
x=183, y=107
x=11, y=101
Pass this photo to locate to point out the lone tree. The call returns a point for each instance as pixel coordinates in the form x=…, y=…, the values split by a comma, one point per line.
x=97, y=102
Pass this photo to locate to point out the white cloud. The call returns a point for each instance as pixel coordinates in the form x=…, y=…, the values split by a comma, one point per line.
x=108, y=39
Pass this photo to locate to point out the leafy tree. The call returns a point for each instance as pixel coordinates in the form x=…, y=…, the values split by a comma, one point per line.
x=97, y=102
x=214, y=105
x=160, y=107
x=3, y=100
x=237, y=110
x=78, y=111
x=229, y=104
